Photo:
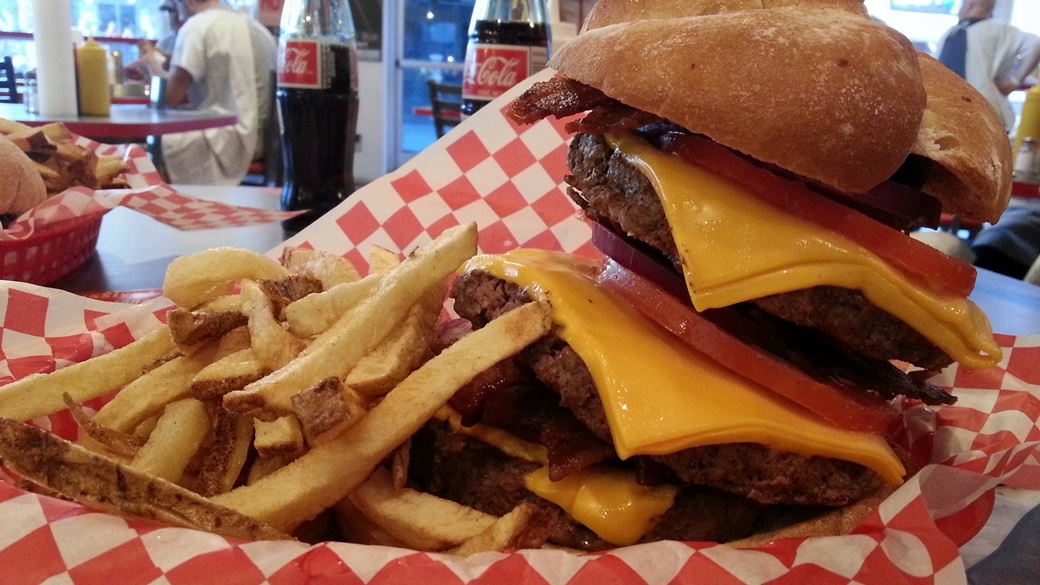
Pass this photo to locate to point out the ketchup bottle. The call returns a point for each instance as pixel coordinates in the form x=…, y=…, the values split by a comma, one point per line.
x=508, y=42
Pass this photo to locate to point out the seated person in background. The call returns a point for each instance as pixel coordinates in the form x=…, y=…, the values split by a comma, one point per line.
x=221, y=63
x=155, y=59
x=1011, y=246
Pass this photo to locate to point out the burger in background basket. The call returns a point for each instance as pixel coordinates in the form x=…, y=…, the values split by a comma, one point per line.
x=762, y=165
x=22, y=187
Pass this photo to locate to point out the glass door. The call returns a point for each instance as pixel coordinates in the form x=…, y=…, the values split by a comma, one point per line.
x=427, y=39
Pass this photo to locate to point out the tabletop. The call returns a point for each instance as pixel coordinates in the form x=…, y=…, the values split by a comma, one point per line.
x=127, y=122
x=117, y=266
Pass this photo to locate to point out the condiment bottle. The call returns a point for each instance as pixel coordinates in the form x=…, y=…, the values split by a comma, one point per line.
x=92, y=79
x=1029, y=122
x=508, y=42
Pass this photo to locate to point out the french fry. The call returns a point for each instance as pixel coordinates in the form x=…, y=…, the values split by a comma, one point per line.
x=273, y=345
x=381, y=260
x=314, y=314
x=264, y=466
x=196, y=278
x=284, y=291
x=178, y=435
x=327, y=473
x=231, y=372
x=282, y=436
x=42, y=394
x=514, y=530
x=226, y=456
x=325, y=410
x=101, y=483
x=191, y=328
x=417, y=519
x=125, y=445
x=358, y=529
x=328, y=268
x=150, y=393
x=338, y=349
x=402, y=350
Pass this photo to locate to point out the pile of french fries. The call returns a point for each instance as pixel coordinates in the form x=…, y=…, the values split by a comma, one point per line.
x=278, y=401
x=60, y=161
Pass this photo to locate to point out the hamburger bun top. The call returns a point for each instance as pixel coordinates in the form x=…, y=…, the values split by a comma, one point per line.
x=964, y=146
x=22, y=187
x=786, y=86
x=813, y=86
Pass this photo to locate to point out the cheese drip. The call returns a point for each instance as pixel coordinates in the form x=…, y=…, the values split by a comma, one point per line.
x=735, y=247
x=660, y=395
x=609, y=502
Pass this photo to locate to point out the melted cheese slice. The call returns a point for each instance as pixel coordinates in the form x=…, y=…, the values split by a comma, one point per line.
x=661, y=395
x=735, y=247
x=608, y=502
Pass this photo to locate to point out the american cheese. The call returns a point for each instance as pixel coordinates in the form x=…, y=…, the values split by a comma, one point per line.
x=659, y=394
x=736, y=247
x=608, y=502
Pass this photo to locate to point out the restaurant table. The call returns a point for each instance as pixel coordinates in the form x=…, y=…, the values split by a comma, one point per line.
x=127, y=122
x=134, y=250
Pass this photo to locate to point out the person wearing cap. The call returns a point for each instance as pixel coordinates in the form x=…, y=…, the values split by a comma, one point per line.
x=222, y=62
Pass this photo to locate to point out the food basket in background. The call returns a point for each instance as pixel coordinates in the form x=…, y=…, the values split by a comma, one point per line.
x=50, y=252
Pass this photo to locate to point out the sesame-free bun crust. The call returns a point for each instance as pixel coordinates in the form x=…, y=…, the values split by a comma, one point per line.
x=966, y=148
x=607, y=12
x=825, y=93
x=21, y=187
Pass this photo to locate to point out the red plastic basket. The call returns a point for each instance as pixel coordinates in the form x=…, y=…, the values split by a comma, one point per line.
x=50, y=253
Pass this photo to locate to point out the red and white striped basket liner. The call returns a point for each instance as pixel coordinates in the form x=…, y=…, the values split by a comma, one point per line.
x=507, y=179
x=148, y=194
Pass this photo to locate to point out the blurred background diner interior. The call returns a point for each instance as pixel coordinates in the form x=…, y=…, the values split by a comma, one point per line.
x=406, y=43
x=408, y=48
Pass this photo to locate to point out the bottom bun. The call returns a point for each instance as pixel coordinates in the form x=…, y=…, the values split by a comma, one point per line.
x=833, y=523
x=22, y=187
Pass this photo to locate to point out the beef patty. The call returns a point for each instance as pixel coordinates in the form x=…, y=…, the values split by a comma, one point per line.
x=749, y=470
x=618, y=196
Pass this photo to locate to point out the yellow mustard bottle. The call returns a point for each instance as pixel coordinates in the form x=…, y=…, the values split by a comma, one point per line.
x=92, y=79
x=1029, y=122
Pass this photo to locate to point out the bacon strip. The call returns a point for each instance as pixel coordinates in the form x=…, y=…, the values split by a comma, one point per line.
x=558, y=97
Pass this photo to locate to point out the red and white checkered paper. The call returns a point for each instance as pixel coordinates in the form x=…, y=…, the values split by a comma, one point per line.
x=507, y=179
x=148, y=194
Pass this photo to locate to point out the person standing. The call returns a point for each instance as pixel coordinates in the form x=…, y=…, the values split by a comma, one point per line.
x=221, y=63
x=985, y=53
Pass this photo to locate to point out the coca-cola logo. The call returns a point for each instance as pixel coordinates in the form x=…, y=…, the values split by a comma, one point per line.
x=503, y=72
x=299, y=64
x=492, y=69
x=296, y=61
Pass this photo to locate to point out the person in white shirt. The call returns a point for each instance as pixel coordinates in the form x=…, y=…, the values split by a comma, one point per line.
x=221, y=63
x=986, y=54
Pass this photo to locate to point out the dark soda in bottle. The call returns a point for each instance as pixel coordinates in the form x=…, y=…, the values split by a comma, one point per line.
x=317, y=106
x=508, y=42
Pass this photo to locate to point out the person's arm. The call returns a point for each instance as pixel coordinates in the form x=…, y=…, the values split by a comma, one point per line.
x=1026, y=65
x=177, y=84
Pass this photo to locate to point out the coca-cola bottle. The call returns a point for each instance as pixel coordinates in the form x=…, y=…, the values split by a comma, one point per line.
x=508, y=42
x=317, y=106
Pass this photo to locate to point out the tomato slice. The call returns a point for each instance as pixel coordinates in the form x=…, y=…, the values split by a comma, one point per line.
x=842, y=407
x=914, y=258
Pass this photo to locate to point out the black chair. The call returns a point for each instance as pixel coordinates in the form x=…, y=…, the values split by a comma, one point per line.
x=445, y=104
x=8, y=83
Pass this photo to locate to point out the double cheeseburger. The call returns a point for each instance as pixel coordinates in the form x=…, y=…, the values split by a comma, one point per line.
x=736, y=366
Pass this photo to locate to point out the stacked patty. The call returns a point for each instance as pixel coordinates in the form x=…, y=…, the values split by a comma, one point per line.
x=546, y=395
